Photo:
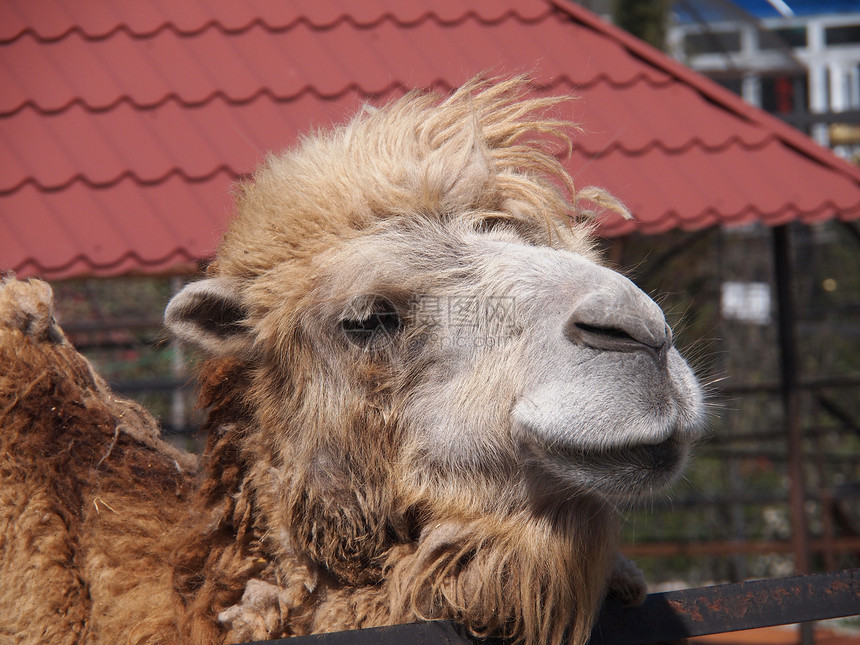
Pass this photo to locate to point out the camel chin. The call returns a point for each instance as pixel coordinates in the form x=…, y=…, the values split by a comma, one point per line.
x=633, y=449
x=623, y=473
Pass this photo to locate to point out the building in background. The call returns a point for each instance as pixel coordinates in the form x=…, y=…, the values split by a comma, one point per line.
x=799, y=59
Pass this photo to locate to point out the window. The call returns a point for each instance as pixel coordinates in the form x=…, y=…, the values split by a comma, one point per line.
x=784, y=37
x=731, y=83
x=747, y=302
x=784, y=94
x=847, y=35
x=713, y=42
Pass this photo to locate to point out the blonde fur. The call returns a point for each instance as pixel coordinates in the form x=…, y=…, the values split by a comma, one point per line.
x=352, y=483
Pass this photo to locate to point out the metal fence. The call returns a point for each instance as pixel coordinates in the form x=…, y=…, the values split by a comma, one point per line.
x=663, y=617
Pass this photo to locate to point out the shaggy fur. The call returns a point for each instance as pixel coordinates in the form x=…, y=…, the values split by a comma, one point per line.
x=350, y=481
x=77, y=540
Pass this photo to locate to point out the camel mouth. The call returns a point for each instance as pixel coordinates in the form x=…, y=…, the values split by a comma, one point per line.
x=622, y=472
x=651, y=457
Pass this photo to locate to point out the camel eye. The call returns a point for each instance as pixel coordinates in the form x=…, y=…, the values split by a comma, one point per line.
x=372, y=323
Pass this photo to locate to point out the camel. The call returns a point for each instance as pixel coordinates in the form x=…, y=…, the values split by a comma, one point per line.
x=427, y=398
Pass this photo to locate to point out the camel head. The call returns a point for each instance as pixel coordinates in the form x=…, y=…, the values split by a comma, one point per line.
x=427, y=332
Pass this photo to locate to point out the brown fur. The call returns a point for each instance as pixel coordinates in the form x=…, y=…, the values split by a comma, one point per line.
x=313, y=508
x=88, y=490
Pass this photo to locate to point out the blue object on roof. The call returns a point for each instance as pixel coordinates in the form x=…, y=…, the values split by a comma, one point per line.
x=699, y=11
x=764, y=9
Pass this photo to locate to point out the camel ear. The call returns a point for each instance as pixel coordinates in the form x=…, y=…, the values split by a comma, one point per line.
x=211, y=316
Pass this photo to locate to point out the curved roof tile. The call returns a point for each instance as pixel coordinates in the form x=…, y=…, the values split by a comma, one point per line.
x=123, y=124
x=48, y=20
x=98, y=75
x=114, y=230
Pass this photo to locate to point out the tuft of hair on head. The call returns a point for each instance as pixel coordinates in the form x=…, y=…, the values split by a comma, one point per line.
x=602, y=200
x=493, y=146
x=499, y=147
x=515, y=132
x=489, y=151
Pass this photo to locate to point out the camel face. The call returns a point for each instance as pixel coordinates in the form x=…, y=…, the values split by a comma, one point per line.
x=415, y=278
x=536, y=363
x=435, y=385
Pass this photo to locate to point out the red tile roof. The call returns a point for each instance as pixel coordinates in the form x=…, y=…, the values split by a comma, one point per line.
x=123, y=124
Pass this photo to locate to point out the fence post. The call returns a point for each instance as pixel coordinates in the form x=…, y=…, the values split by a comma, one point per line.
x=789, y=369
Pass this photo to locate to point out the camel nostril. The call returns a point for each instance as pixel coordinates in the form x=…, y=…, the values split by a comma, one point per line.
x=619, y=339
x=604, y=332
x=618, y=317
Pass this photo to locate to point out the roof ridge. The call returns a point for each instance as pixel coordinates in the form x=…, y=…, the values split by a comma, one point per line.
x=209, y=98
x=825, y=206
x=167, y=25
x=152, y=105
x=393, y=86
x=693, y=142
x=603, y=77
x=674, y=220
x=82, y=258
x=175, y=171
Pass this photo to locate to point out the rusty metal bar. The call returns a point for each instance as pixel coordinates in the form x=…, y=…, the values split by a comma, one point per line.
x=731, y=389
x=727, y=608
x=775, y=455
x=732, y=547
x=110, y=324
x=662, y=617
x=850, y=491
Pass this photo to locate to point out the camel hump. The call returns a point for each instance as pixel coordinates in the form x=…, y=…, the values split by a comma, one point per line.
x=28, y=307
x=52, y=389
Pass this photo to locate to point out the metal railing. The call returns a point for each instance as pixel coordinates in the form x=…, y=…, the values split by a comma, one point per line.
x=663, y=617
